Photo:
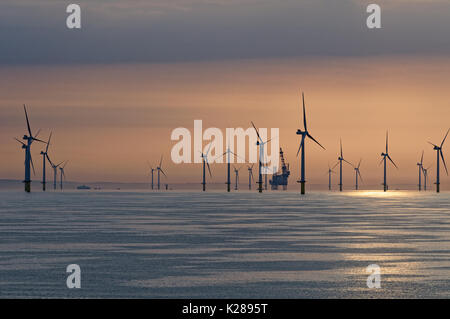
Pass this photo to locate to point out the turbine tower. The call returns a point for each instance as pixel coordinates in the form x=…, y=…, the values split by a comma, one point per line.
x=28, y=160
x=250, y=176
x=44, y=157
x=159, y=169
x=438, y=150
x=62, y=174
x=304, y=135
x=358, y=174
x=261, y=144
x=342, y=159
x=205, y=163
x=330, y=171
x=236, y=171
x=386, y=155
x=420, y=165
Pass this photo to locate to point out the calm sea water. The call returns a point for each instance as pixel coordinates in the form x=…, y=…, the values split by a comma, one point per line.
x=219, y=245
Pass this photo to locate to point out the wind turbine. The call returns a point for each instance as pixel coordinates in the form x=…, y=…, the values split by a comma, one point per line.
x=151, y=170
x=425, y=177
x=205, y=163
x=342, y=159
x=159, y=169
x=330, y=171
x=420, y=165
x=438, y=150
x=62, y=174
x=236, y=171
x=55, y=173
x=304, y=135
x=386, y=155
x=28, y=160
x=261, y=144
x=358, y=174
x=250, y=176
x=44, y=157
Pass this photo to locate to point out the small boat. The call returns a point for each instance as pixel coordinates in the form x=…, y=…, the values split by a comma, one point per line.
x=83, y=187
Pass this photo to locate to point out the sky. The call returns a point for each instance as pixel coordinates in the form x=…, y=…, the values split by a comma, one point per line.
x=113, y=91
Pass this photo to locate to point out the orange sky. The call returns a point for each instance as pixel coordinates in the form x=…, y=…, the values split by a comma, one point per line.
x=108, y=120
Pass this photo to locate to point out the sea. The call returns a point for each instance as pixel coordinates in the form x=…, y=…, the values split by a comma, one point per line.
x=190, y=244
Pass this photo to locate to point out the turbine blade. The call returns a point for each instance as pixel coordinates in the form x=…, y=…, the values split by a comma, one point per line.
x=445, y=137
x=348, y=163
x=48, y=143
x=209, y=148
x=359, y=164
x=304, y=112
x=387, y=141
x=20, y=141
x=48, y=158
x=443, y=161
x=381, y=161
x=36, y=139
x=65, y=164
x=28, y=122
x=341, y=148
x=32, y=165
x=257, y=132
x=421, y=159
x=433, y=144
x=392, y=161
x=359, y=173
x=163, y=172
x=300, y=146
x=337, y=163
x=160, y=162
x=315, y=140
x=209, y=169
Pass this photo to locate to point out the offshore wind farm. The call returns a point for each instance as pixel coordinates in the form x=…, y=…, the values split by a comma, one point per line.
x=224, y=149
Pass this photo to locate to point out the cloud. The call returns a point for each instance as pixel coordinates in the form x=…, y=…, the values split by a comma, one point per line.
x=34, y=32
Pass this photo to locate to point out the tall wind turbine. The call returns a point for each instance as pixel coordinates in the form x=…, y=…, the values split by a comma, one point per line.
x=438, y=150
x=330, y=171
x=342, y=159
x=420, y=165
x=425, y=177
x=358, y=174
x=261, y=144
x=304, y=135
x=62, y=174
x=159, y=169
x=44, y=158
x=386, y=155
x=151, y=171
x=250, y=176
x=236, y=171
x=27, y=146
x=205, y=163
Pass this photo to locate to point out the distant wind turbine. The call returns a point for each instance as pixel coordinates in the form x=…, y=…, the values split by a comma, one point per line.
x=44, y=158
x=205, y=163
x=261, y=144
x=358, y=174
x=28, y=160
x=425, y=177
x=438, y=150
x=420, y=165
x=386, y=155
x=236, y=171
x=330, y=171
x=342, y=159
x=151, y=171
x=159, y=169
x=304, y=135
x=250, y=176
x=62, y=174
